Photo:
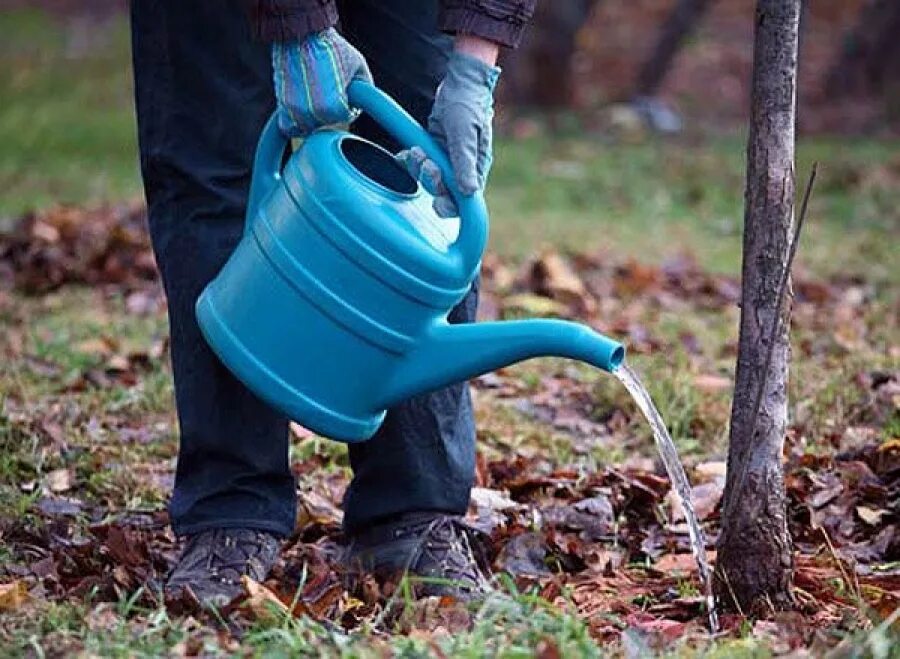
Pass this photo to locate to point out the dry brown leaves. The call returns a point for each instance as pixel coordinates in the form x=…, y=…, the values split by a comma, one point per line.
x=64, y=244
x=613, y=539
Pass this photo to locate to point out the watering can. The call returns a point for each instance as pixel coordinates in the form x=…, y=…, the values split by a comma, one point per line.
x=333, y=307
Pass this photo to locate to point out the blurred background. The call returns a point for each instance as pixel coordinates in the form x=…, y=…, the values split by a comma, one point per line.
x=621, y=123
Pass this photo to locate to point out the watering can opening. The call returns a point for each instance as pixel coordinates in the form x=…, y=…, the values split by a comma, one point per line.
x=378, y=166
x=345, y=256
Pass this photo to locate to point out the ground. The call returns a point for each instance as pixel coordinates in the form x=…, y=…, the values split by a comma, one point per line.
x=639, y=238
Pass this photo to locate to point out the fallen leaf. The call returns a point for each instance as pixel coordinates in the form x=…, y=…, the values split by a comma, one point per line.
x=483, y=498
x=633, y=278
x=825, y=495
x=874, y=549
x=493, y=270
x=552, y=276
x=59, y=506
x=711, y=470
x=44, y=568
x=105, y=244
x=313, y=508
x=118, y=364
x=299, y=432
x=96, y=347
x=528, y=304
x=685, y=563
x=712, y=384
x=660, y=628
x=126, y=545
x=705, y=496
x=524, y=554
x=13, y=595
x=870, y=516
x=59, y=480
x=262, y=603
x=319, y=599
x=598, y=506
x=888, y=455
x=604, y=560
x=547, y=649
x=44, y=232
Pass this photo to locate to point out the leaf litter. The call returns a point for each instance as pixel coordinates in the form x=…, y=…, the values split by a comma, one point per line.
x=607, y=541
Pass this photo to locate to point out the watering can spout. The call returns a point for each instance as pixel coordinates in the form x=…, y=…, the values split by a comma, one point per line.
x=343, y=253
x=453, y=353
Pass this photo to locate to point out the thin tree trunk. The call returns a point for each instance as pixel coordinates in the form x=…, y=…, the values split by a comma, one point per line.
x=539, y=72
x=755, y=557
x=869, y=60
x=685, y=15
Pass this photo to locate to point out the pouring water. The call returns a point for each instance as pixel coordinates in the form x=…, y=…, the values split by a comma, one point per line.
x=682, y=487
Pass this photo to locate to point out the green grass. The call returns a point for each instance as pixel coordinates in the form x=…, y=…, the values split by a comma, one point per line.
x=656, y=199
x=67, y=131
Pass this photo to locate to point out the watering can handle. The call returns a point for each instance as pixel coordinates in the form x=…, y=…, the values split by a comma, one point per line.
x=266, y=166
x=470, y=244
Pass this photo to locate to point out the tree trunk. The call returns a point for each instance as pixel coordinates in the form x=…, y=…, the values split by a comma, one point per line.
x=685, y=15
x=869, y=61
x=539, y=72
x=755, y=561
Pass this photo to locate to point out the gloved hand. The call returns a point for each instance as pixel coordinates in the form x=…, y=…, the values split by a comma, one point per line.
x=460, y=122
x=311, y=79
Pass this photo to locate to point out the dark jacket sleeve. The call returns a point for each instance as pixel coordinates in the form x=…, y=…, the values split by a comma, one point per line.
x=285, y=20
x=503, y=21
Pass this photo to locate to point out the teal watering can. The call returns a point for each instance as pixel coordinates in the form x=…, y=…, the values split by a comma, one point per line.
x=333, y=306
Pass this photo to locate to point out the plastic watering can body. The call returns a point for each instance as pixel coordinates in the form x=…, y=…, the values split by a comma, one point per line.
x=333, y=306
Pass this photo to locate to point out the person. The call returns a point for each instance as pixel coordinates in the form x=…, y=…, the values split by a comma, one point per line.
x=208, y=74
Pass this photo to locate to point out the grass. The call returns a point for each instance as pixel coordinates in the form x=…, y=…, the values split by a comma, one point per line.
x=67, y=132
x=652, y=200
x=529, y=626
x=67, y=135
x=125, y=629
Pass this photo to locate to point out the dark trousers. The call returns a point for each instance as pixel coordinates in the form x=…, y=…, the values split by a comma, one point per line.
x=203, y=90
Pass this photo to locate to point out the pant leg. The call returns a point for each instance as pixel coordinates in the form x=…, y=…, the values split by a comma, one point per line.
x=203, y=91
x=423, y=456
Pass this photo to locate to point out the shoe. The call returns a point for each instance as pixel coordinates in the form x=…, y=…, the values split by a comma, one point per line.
x=208, y=573
x=439, y=551
x=657, y=115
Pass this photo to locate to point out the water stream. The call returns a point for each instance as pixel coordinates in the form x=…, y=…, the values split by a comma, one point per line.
x=680, y=483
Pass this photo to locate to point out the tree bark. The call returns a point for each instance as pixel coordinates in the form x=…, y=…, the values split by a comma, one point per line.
x=539, y=72
x=754, y=567
x=685, y=15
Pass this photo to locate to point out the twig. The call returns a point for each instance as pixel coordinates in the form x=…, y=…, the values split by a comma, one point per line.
x=782, y=289
x=852, y=586
x=734, y=597
x=779, y=315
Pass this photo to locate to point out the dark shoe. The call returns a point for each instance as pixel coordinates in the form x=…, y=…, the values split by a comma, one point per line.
x=208, y=573
x=437, y=549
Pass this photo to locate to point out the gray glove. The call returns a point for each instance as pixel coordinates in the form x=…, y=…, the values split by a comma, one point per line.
x=460, y=121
